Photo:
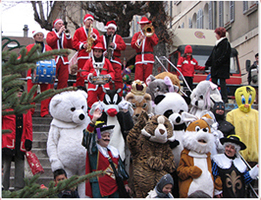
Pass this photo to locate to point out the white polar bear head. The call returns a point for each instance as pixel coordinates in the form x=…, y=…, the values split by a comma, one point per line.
x=69, y=106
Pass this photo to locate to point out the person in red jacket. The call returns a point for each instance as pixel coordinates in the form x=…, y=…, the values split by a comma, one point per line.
x=144, y=48
x=113, y=52
x=15, y=144
x=80, y=44
x=59, y=39
x=95, y=92
x=38, y=36
x=187, y=65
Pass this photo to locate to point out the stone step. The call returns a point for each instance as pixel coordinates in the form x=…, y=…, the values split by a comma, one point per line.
x=47, y=172
x=39, y=144
x=41, y=127
x=41, y=180
x=40, y=152
x=39, y=135
x=41, y=120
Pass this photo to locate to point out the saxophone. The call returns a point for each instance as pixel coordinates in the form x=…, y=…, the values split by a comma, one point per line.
x=90, y=39
x=109, y=49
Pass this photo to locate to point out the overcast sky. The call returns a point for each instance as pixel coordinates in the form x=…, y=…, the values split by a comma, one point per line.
x=14, y=18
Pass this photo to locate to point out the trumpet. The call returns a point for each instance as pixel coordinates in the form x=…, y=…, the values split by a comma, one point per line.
x=148, y=30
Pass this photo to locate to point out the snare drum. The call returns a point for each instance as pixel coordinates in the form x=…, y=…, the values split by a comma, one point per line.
x=99, y=80
x=45, y=72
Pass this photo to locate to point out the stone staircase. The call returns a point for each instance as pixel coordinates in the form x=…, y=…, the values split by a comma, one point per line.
x=40, y=134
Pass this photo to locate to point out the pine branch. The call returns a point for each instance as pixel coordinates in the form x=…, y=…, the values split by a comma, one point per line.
x=33, y=190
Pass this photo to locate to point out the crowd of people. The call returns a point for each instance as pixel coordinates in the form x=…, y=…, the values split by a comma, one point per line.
x=99, y=64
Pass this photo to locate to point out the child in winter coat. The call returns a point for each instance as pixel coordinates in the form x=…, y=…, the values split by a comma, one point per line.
x=163, y=188
x=187, y=65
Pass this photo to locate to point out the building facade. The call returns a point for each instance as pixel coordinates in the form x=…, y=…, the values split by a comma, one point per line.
x=240, y=18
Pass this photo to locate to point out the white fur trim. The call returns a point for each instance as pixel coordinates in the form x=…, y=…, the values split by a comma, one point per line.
x=225, y=163
x=104, y=152
x=197, y=155
x=111, y=25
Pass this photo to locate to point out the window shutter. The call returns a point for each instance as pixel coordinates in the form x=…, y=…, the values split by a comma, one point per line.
x=232, y=10
x=221, y=16
x=245, y=6
x=190, y=23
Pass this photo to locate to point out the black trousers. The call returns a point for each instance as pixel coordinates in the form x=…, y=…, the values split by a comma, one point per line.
x=223, y=87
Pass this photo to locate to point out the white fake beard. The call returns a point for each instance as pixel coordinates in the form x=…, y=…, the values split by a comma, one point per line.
x=190, y=141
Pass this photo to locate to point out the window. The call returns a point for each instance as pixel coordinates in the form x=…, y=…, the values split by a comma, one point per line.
x=200, y=19
x=245, y=6
x=190, y=23
x=232, y=10
x=221, y=14
x=194, y=20
x=210, y=16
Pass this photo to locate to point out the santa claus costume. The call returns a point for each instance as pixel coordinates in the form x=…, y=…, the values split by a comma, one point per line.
x=95, y=92
x=144, y=48
x=63, y=41
x=116, y=53
x=79, y=39
x=43, y=87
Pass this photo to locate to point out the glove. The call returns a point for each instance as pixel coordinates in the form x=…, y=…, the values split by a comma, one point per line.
x=28, y=145
x=174, y=144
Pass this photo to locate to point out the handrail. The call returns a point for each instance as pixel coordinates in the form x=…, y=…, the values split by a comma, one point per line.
x=249, y=167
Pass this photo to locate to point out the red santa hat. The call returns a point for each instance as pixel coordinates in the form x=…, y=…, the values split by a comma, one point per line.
x=88, y=16
x=99, y=46
x=56, y=21
x=188, y=49
x=34, y=32
x=112, y=24
x=144, y=20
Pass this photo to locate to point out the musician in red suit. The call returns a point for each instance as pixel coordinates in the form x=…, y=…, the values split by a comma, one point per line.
x=95, y=92
x=38, y=36
x=81, y=45
x=144, y=48
x=59, y=39
x=15, y=144
x=113, y=50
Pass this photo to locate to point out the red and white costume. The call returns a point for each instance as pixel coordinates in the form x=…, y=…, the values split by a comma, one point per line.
x=43, y=87
x=95, y=92
x=9, y=122
x=116, y=53
x=144, y=59
x=60, y=42
x=79, y=39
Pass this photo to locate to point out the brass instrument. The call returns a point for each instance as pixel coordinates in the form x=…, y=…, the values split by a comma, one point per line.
x=90, y=39
x=109, y=49
x=148, y=30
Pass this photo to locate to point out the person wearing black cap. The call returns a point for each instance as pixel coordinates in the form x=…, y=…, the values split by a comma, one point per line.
x=163, y=188
x=100, y=154
x=224, y=126
x=229, y=171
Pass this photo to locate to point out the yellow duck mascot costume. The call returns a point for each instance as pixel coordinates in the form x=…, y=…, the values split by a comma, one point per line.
x=245, y=121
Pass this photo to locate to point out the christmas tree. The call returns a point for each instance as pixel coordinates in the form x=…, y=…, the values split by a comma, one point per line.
x=12, y=82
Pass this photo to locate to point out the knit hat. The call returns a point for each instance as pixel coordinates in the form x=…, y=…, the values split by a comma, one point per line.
x=235, y=139
x=34, y=32
x=88, y=16
x=99, y=46
x=144, y=20
x=56, y=21
x=112, y=24
x=166, y=179
x=188, y=49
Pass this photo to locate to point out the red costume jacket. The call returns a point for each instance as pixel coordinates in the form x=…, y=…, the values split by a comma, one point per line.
x=145, y=51
x=9, y=122
x=89, y=69
x=80, y=38
x=29, y=47
x=187, y=66
x=52, y=40
x=120, y=46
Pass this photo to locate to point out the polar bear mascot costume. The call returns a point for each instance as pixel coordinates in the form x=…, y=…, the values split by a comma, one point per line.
x=69, y=112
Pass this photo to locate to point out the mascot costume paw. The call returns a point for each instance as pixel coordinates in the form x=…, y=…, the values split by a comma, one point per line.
x=152, y=156
x=195, y=169
x=69, y=112
x=245, y=120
